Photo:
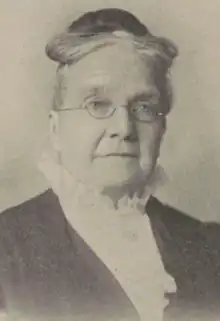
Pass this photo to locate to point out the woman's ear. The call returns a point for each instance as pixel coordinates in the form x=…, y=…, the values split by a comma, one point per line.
x=54, y=130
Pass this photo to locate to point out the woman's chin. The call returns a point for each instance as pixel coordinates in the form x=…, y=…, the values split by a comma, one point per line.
x=107, y=173
x=110, y=180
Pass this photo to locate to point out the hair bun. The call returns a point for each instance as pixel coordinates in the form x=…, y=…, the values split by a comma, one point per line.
x=108, y=20
x=93, y=25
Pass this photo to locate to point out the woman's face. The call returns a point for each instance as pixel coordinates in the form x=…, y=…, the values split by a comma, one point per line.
x=108, y=151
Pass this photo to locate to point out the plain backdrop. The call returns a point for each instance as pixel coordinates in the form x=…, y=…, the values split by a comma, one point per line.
x=191, y=150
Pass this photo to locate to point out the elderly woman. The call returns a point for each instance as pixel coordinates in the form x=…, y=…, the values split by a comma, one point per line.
x=98, y=245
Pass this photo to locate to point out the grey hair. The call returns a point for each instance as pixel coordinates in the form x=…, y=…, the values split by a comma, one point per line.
x=68, y=48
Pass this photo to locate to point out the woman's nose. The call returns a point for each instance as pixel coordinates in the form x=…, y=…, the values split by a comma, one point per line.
x=122, y=125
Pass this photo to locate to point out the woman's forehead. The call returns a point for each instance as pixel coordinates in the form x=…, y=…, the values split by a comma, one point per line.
x=111, y=67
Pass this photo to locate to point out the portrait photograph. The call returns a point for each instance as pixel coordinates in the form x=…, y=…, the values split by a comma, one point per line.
x=109, y=160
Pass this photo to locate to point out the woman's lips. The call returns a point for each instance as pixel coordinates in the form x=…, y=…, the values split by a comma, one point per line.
x=117, y=155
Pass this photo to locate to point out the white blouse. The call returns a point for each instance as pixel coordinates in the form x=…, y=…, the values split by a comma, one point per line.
x=122, y=238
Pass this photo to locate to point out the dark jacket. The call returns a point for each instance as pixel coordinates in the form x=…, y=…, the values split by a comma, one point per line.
x=49, y=273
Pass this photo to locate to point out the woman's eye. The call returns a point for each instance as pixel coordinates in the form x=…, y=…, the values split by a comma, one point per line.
x=144, y=111
x=98, y=104
x=99, y=108
x=143, y=107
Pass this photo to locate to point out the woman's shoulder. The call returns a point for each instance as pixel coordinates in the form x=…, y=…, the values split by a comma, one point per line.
x=42, y=200
x=190, y=250
x=170, y=215
x=181, y=225
x=42, y=209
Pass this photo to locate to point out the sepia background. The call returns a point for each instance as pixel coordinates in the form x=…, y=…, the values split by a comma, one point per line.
x=191, y=150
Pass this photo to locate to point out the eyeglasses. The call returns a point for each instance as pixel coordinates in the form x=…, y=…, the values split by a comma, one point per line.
x=140, y=111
